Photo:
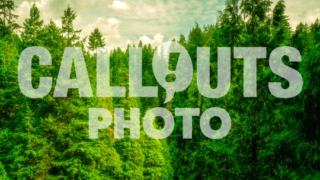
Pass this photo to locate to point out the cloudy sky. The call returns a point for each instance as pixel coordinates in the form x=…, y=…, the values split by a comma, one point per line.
x=152, y=21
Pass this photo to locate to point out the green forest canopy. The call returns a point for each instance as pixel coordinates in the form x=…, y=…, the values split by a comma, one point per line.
x=270, y=138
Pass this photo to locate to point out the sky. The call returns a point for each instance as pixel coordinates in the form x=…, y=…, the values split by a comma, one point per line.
x=123, y=22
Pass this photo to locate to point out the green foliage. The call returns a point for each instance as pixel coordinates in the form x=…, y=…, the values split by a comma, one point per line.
x=7, y=18
x=32, y=26
x=270, y=138
x=67, y=26
x=96, y=40
x=256, y=12
x=3, y=174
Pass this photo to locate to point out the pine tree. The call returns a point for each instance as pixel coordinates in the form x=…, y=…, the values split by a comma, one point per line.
x=270, y=138
x=315, y=30
x=51, y=37
x=32, y=26
x=8, y=18
x=195, y=40
x=256, y=11
x=67, y=26
x=182, y=40
x=301, y=38
x=230, y=22
x=281, y=28
x=96, y=40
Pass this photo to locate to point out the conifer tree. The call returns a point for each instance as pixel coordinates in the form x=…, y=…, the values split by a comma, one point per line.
x=230, y=22
x=32, y=26
x=96, y=40
x=281, y=27
x=51, y=36
x=195, y=39
x=182, y=40
x=301, y=38
x=270, y=138
x=8, y=18
x=67, y=26
x=256, y=12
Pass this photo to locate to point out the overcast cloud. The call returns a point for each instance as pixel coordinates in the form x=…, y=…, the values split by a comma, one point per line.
x=152, y=21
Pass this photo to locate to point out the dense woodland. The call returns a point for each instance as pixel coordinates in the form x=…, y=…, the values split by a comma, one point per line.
x=270, y=138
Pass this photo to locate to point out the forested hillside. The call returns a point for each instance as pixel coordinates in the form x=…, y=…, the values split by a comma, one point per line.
x=270, y=138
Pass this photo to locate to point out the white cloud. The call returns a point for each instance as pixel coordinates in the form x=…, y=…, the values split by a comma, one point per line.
x=109, y=28
x=157, y=39
x=313, y=15
x=301, y=11
x=113, y=21
x=145, y=39
x=125, y=22
x=119, y=5
x=23, y=10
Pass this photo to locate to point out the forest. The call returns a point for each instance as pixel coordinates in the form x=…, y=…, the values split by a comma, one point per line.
x=270, y=137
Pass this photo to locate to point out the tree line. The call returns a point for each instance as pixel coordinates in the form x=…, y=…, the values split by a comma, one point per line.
x=270, y=138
